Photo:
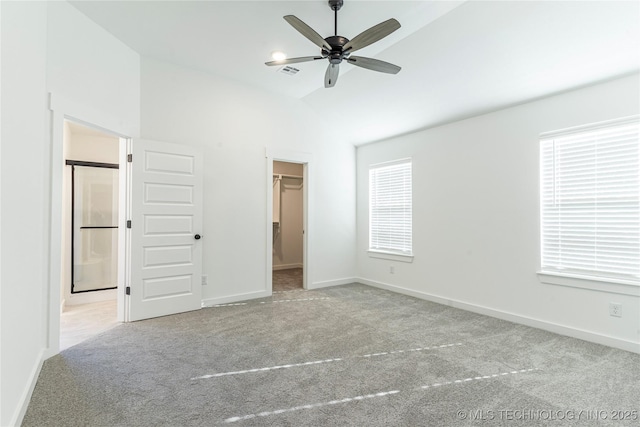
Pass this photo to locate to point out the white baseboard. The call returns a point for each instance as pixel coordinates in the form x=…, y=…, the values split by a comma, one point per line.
x=23, y=403
x=329, y=283
x=287, y=266
x=512, y=317
x=208, y=302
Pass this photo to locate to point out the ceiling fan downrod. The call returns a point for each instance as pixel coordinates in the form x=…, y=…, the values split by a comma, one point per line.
x=335, y=5
x=336, y=42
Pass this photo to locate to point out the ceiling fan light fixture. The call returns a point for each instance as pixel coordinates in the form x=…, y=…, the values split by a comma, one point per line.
x=278, y=55
x=338, y=48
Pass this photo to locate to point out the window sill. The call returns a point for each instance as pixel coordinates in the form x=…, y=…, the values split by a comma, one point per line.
x=615, y=286
x=390, y=256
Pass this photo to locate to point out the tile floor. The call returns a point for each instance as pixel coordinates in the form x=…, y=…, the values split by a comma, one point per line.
x=79, y=322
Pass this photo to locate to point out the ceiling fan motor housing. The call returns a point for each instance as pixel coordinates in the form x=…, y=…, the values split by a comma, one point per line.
x=336, y=55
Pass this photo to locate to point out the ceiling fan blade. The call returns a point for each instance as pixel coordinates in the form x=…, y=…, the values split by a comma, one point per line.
x=374, y=64
x=308, y=32
x=294, y=60
x=331, y=76
x=371, y=35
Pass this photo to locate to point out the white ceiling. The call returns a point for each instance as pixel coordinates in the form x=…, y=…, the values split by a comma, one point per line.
x=458, y=58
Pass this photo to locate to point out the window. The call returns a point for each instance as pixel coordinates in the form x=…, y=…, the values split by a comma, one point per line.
x=390, y=208
x=590, y=202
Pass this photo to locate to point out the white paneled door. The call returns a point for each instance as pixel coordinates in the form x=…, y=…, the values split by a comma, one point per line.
x=166, y=225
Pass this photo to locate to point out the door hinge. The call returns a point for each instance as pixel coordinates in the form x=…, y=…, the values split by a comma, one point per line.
x=128, y=223
x=127, y=290
x=129, y=158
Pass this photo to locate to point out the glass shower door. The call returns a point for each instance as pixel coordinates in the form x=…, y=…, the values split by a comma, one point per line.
x=94, y=228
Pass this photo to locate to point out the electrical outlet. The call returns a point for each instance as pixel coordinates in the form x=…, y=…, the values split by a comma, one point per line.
x=392, y=269
x=615, y=309
x=204, y=280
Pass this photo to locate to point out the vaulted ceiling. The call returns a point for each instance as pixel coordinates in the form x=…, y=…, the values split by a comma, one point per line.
x=458, y=58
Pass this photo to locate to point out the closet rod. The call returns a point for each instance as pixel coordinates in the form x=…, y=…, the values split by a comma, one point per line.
x=282, y=175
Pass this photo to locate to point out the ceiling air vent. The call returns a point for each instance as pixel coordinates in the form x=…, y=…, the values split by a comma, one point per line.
x=290, y=71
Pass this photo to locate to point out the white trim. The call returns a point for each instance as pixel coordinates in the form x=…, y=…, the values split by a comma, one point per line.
x=612, y=286
x=208, y=302
x=390, y=256
x=622, y=344
x=124, y=233
x=287, y=266
x=55, y=231
x=330, y=283
x=23, y=403
x=288, y=155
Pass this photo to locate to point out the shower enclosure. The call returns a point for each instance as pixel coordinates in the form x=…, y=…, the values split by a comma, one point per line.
x=94, y=226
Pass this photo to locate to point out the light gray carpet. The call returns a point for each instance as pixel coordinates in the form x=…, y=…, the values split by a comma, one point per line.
x=379, y=359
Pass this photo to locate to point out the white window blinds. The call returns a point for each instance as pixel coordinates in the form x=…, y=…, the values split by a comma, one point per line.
x=390, y=218
x=590, y=201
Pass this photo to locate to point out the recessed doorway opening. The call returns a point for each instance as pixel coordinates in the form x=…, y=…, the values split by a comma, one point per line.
x=89, y=253
x=288, y=227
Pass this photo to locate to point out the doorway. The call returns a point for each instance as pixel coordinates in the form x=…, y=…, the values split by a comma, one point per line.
x=288, y=228
x=168, y=163
x=89, y=261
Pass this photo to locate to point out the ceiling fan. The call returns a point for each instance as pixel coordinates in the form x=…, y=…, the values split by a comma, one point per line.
x=338, y=48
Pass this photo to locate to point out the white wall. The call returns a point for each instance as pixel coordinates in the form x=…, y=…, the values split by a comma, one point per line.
x=233, y=124
x=476, y=216
x=288, y=241
x=24, y=202
x=90, y=73
x=46, y=47
x=93, y=78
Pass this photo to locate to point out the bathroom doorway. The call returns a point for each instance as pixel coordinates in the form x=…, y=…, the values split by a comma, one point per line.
x=88, y=297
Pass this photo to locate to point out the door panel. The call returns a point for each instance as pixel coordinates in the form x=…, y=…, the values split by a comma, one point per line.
x=166, y=213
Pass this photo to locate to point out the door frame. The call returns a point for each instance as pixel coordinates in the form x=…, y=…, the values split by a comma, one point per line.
x=61, y=109
x=307, y=212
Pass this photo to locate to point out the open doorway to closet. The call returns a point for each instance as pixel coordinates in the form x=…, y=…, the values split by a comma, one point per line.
x=88, y=294
x=288, y=227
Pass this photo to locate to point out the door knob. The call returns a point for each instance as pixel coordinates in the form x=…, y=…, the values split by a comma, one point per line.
x=197, y=237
